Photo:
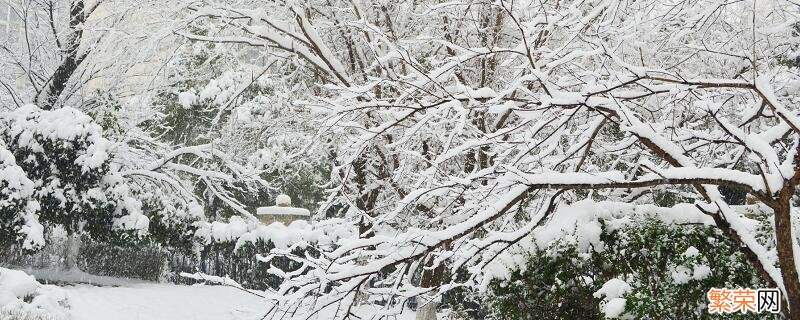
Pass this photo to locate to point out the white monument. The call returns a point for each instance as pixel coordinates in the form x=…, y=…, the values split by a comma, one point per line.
x=282, y=212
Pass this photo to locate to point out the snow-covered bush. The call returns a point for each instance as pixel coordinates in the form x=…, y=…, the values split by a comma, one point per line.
x=248, y=253
x=137, y=262
x=18, y=210
x=58, y=172
x=22, y=297
x=643, y=270
x=225, y=259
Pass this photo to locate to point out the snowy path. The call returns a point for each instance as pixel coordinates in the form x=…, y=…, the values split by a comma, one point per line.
x=162, y=301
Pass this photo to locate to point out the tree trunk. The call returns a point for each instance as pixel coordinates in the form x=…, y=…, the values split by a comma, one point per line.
x=783, y=233
x=430, y=278
x=48, y=97
x=71, y=250
x=427, y=312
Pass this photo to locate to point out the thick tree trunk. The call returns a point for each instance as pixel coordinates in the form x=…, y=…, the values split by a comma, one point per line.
x=783, y=233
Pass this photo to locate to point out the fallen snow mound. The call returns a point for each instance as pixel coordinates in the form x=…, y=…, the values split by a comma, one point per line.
x=20, y=293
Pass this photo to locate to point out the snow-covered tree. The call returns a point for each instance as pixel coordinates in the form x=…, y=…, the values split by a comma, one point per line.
x=59, y=175
x=462, y=125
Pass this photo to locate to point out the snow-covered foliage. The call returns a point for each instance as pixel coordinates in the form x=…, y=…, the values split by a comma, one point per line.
x=612, y=292
x=637, y=262
x=18, y=209
x=59, y=173
x=583, y=223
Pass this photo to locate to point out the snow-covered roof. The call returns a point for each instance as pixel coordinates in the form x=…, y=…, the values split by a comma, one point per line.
x=276, y=210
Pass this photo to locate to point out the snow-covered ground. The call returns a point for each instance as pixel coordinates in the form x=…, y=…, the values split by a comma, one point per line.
x=172, y=302
x=103, y=298
x=162, y=301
